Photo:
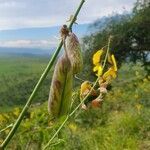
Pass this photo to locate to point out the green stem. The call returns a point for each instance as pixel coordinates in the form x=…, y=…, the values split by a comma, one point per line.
x=39, y=83
x=67, y=118
x=76, y=14
x=9, y=126
x=55, y=134
x=107, y=51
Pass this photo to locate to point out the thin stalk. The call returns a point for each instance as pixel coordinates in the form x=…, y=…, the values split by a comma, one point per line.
x=69, y=115
x=9, y=126
x=55, y=134
x=79, y=78
x=107, y=51
x=39, y=83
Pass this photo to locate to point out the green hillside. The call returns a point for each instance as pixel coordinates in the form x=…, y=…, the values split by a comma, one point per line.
x=18, y=76
x=122, y=123
x=120, y=51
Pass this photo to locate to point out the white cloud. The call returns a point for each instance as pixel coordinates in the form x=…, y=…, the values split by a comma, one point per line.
x=16, y=14
x=42, y=44
x=40, y=13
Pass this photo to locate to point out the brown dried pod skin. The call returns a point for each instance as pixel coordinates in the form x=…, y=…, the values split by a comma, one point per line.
x=74, y=52
x=64, y=31
x=61, y=88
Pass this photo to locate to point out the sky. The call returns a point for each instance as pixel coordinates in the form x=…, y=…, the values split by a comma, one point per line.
x=21, y=21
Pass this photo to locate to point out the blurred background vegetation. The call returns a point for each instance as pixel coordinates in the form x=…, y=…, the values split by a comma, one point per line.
x=122, y=122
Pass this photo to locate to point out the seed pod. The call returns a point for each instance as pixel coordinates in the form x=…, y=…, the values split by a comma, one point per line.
x=74, y=52
x=61, y=88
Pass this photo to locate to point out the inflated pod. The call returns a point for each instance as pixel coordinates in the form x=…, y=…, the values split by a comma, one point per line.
x=61, y=88
x=74, y=52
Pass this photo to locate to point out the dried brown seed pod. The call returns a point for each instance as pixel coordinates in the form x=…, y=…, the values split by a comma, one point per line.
x=61, y=88
x=73, y=49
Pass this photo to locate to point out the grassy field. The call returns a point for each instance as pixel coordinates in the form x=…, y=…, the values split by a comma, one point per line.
x=122, y=123
x=13, y=65
x=18, y=76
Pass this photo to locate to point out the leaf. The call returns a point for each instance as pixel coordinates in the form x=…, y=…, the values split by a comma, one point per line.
x=61, y=88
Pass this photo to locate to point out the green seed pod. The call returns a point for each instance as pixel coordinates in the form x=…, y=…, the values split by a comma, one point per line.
x=74, y=52
x=61, y=88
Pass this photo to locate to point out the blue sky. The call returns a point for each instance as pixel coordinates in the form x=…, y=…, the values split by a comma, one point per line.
x=34, y=23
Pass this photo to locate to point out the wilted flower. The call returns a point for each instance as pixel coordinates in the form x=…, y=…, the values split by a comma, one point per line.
x=103, y=90
x=96, y=103
x=85, y=88
x=84, y=106
x=84, y=91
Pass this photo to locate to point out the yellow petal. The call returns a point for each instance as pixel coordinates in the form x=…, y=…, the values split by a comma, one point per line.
x=109, y=59
x=85, y=86
x=114, y=74
x=95, y=68
x=97, y=57
x=99, y=69
x=107, y=74
x=110, y=73
x=114, y=62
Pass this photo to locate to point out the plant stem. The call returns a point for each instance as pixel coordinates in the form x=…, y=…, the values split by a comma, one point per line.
x=107, y=51
x=69, y=115
x=55, y=134
x=9, y=126
x=39, y=83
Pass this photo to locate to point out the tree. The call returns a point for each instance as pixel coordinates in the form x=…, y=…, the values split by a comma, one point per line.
x=131, y=36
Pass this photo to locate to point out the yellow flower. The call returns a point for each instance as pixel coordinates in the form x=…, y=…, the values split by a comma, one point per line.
x=99, y=69
x=97, y=57
x=114, y=62
x=111, y=73
x=109, y=59
x=85, y=88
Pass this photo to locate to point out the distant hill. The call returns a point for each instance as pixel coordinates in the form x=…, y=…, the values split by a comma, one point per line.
x=34, y=34
x=25, y=51
x=47, y=33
